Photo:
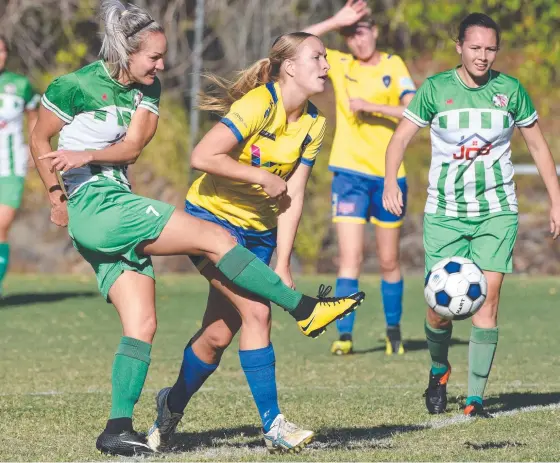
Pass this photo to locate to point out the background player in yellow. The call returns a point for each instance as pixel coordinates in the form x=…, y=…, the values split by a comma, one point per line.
x=372, y=89
x=268, y=138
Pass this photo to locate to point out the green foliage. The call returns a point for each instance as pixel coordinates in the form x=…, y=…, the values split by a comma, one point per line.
x=167, y=156
x=530, y=51
x=316, y=211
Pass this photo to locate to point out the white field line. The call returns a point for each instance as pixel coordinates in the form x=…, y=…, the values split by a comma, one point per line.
x=385, y=442
x=459, y=419
x=222, y=451
x=407, y=387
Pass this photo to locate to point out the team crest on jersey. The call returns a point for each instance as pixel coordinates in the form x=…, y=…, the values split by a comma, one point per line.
x=387, y=81
x=500, y=100
x=10, y=88
x=137, y=99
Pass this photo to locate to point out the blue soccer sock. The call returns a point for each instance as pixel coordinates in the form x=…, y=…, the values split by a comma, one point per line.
x=345, y=287
x=392, y=295
x=259, y=366
x=192, y=375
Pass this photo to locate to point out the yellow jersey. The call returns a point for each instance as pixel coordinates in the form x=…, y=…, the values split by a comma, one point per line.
x=267, y=141
x=361, y=140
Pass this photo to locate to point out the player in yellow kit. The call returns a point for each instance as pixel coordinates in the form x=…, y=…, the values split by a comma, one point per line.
x=257, y=162
x=372, y=89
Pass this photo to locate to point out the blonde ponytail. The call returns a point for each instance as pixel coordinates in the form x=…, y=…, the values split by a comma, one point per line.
x=224, y=92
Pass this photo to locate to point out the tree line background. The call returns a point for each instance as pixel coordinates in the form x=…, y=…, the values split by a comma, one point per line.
x=52, y=37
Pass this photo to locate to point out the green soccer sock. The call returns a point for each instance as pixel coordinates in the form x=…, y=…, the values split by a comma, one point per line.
x=438, y=345
x=130, y=369
x=482, y=347
x=4, y=261
x=243, y=268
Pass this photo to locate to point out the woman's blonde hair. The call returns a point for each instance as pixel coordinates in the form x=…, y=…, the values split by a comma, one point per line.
x=225, y=91
x=125, y=29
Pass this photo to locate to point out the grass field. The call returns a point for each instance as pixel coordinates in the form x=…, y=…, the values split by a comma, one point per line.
x=58, y=337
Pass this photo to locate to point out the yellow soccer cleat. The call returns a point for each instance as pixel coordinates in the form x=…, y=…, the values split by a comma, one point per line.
x=340, y=347
x=393, y=341
x=393, y=347
x=327, y=310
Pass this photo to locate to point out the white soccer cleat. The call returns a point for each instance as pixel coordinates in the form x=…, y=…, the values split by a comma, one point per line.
x=286, y=437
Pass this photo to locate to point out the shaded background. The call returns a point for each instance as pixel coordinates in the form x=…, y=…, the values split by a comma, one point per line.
x=53, y=37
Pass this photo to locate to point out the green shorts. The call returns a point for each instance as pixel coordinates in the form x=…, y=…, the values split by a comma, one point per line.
x=107, y=223
x=486, y=240
x=11, y=191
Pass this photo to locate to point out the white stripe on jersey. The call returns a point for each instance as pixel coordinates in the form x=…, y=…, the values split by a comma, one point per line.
x=415, y=119
x=490, y=182
x=433, y=176
x=509, y=185
x=61, y=114
x=450, y=204
x=528, y=121
x=473, y=206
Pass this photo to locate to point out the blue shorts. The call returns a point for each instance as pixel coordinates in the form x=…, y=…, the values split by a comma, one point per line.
x=260, y=243
x=359, y=199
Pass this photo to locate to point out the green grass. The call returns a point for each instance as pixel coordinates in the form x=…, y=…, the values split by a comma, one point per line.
x=58, y=337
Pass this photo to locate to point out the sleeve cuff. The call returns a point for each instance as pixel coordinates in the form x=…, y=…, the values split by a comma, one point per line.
x=227, y=122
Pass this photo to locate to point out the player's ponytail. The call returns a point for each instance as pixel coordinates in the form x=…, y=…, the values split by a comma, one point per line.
x=125, y=30
x=224, y=92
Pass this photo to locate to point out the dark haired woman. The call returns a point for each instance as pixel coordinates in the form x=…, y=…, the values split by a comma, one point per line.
x=471, y=210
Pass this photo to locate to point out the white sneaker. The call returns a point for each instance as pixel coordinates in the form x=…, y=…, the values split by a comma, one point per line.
x=286, y=437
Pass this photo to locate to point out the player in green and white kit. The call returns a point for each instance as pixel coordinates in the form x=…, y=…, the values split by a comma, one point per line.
x=106, y=113
x=471, y=210
x=17, y=98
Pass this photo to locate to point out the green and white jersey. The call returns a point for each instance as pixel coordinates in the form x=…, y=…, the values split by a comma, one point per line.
x=16, y=96
x=97, y=110
x=471, y=172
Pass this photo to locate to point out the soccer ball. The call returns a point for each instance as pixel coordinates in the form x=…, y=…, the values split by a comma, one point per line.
x=455, y=288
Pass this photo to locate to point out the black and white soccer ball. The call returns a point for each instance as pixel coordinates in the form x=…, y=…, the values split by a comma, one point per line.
x=455, y=288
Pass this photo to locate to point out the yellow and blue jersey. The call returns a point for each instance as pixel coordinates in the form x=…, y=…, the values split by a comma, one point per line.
x=267, y=141
x=360, y=141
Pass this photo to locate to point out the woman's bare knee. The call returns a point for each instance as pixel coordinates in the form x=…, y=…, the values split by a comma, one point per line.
x=256, y=314
x=217, y=339
x=487, y=316
x=388, y=264
x=350, y=263
x=143, y=328
x=435, y=321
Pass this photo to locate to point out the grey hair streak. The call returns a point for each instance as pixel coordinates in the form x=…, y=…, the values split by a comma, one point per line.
x=125, y=28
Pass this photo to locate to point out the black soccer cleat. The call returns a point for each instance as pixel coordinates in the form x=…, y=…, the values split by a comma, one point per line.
x=126, y=444
x=436, y=393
